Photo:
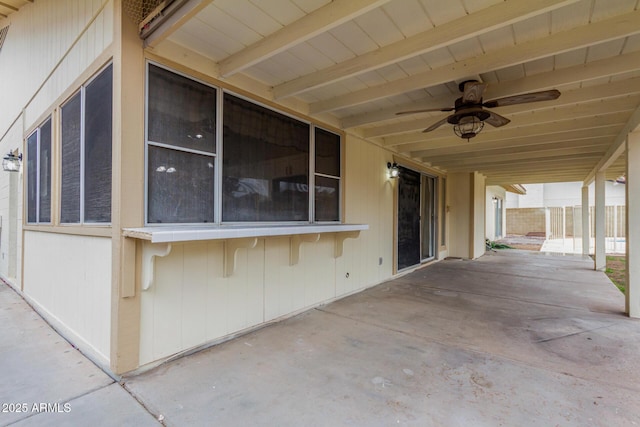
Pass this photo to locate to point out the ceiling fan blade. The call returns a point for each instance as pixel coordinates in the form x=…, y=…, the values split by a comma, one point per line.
x=545, y=95
x=426, y=110
x=436, y=125
x=473, y=92
x=496, y=120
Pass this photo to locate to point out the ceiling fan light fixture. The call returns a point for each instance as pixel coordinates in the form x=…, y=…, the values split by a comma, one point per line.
x=468, y=127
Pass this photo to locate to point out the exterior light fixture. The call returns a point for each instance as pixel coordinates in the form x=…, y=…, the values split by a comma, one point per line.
x=394, y=171
x=468, y=127
x=12, y=161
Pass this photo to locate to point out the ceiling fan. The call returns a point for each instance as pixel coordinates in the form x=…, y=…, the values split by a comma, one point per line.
x=470, y=114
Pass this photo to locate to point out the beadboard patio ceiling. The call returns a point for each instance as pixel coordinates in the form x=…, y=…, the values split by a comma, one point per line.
x=7, y=7
x=358, y=62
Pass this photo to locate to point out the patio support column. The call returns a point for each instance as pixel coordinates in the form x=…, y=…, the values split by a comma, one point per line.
x=633, y=225
x=586, y=230
x=128, y=193
x=600, y=261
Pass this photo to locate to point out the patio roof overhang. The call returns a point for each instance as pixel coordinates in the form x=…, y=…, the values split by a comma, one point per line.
x=356, y=63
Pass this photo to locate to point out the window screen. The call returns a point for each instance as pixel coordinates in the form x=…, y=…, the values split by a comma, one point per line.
x=327, y=168
x=70, y=194
x=39, y=174
x=86, y=145
x=181, y=136
x=265, y=164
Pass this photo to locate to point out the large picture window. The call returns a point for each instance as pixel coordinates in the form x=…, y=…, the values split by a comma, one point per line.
x=181, y=138
x=86, y=144
x=39, y=174
x=265, y=164
x=260, y=170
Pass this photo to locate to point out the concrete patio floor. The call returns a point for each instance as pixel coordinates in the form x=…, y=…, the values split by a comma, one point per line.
x=514, y=338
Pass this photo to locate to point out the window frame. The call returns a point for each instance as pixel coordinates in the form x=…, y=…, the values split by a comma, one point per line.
x=38, y=170
x=219, y=156
x=216, y=155
x=81, y=92
x=338, y=178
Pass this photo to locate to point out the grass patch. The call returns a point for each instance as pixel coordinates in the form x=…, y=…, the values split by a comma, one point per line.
x=616, y=270
x=497, y=245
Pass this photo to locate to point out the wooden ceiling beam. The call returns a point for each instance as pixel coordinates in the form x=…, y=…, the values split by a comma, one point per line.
x=585, y=139
x=564, y=161
x=530, y=179
x=594, y=145
x=597, y=32
x=472, y=25
x=617, y=148
x=319, y=21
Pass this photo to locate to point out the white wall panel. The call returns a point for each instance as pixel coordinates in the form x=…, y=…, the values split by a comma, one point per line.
x=69, y=278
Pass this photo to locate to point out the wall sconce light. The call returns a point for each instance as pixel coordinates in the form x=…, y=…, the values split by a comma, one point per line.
x=12, y=161
x=394, y=171
x=494, y=199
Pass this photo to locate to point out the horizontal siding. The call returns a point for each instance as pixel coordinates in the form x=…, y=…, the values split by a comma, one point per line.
x=40, y=36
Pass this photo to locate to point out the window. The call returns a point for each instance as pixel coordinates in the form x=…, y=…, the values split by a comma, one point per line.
x=259, y=171
x=39, y=174
x=181, y=149
x=327, y=177
x=86, y=144
x=265, y=164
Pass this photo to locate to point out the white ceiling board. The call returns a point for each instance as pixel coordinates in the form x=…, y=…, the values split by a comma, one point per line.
x=283, y=11
x=379, y=27
x=568, y=17
x=632, y=44
x=604, y=9
x=413, y=65
x=309, y=5
x=475, y=5
x=247, y=12
x=354, y=38
x=571, y=59
x=294, y=66
x=497, y=39
x=331, y=47
x=466, y=49
x=391, y=72
x=605, y=50
x=226, y=24
x=370, y=79
x=311, y=55
x=542, y=65
x=194, y=41
x=510, y=73
x=440, y=12
x=408, y=16
x=438, y=58
x=533, y=28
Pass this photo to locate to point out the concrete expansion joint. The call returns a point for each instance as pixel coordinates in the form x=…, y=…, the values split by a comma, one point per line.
x=576, y=333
